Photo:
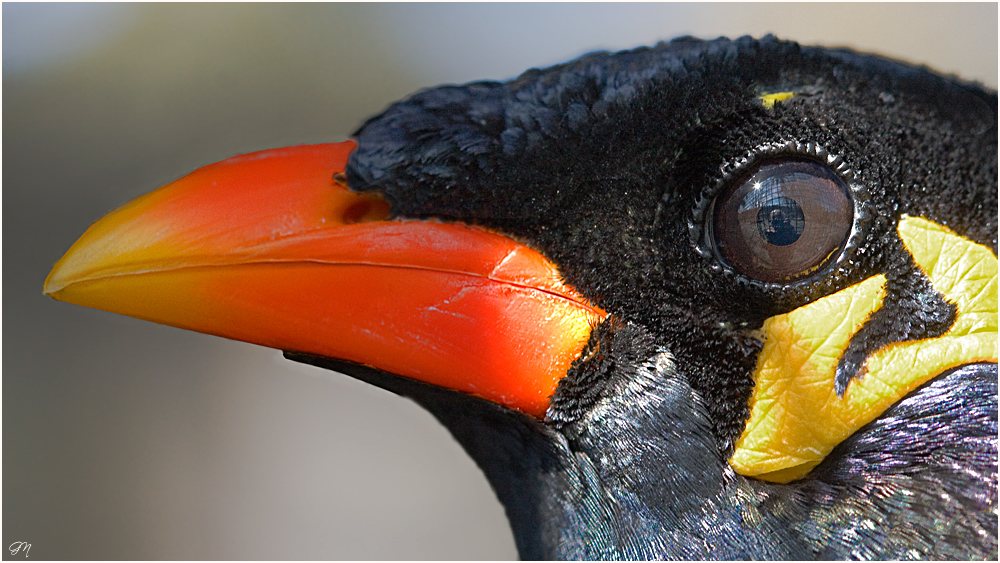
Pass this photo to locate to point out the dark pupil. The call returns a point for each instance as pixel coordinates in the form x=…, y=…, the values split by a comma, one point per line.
x=780, y=221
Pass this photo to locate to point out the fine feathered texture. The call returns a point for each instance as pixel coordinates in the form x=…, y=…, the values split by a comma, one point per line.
x=606, y=165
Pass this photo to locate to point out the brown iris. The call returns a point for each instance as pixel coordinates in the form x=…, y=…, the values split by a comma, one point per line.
x=784, y=221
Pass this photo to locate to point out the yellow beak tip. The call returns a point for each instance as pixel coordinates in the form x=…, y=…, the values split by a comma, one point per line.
x=52, y=284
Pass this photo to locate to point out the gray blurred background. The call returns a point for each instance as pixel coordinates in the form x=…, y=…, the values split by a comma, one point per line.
x=124, y=439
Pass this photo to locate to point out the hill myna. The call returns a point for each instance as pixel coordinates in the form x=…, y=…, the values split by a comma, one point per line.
x=707, y=300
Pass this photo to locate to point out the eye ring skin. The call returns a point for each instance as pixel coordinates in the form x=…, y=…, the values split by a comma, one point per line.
x=700, y=225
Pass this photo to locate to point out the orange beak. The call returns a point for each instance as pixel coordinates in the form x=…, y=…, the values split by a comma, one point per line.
x=269, y=248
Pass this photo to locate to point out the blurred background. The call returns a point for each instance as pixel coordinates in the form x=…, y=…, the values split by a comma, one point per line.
x=128, y=440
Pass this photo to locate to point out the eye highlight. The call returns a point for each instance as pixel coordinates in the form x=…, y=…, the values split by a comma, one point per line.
x=783, y=221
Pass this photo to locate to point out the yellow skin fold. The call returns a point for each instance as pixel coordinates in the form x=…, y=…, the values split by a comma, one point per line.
x=768, y=100
x=796, y=417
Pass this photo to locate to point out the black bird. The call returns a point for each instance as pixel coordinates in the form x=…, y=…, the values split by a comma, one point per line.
x=706, y=300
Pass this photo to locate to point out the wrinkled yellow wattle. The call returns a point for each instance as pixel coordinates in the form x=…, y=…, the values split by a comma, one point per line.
x=767, y=100
x=796, y=416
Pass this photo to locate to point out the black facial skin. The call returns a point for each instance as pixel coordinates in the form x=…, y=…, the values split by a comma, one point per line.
x=603, y=164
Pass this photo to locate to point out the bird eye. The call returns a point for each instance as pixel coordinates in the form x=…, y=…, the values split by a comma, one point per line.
x=784, y=221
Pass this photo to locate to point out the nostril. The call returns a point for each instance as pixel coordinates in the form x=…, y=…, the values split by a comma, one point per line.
x=367, y=208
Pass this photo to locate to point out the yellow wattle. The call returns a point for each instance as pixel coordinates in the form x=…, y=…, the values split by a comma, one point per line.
x=797, y=418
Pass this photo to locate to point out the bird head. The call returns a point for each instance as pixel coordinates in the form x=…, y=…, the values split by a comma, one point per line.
x=724, y=299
